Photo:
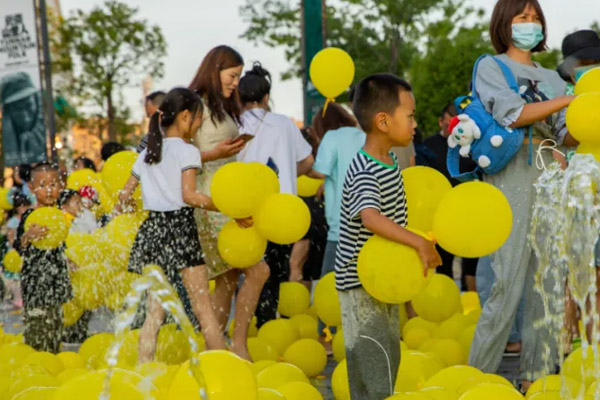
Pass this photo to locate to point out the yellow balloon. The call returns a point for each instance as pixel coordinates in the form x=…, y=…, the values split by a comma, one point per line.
x=305, y=325
x=587, y=148
x=470, y=302
x=450, y=351
x=574, y=365
x=81, y=178
x=452, y=378
x=258, y=366
x=91, y=285
x=269, y=394
x=93, y=349
x=307, y=186
x=294, y=299
x=25, y=384
x=117, y=170
x=553, y=383
x=279, y=374
x=4, y=203
x=473, y=220
x=492, y=391
x=260, y=350
x=332, y=72
x=338, y=345
x=279, y=333
x=118, y=237
x=123, y=384
x=452, y=327
x=307, y=354
x=589, y=82
x=418, y=322
x=485, y=378
x=12, y=262
x=84, y=249
x=12, y=354
x=183, y=385
x=299, y=391
x=439, y=393
x=52, y=218
x=389, y=271
x=465, y=338
x=283, y=218
x=227, y=377
x=422, y=365
x=326, y=301
x=72, y=373
x=415, y=338
x=172, y=346
x=424, y=188
x=239, y=247
x=239, y=189
x=339, y=382
x=48, y=361
x=550, y=396
x=71, y=313
x=71, y=360
x=409, y=396
x=438, y=300
x=582, y=118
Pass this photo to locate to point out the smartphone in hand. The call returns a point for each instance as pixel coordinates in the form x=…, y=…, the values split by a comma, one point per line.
x=245, y=137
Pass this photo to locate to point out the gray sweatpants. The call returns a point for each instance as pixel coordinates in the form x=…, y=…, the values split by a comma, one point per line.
x=514, y=266
x=372, y=340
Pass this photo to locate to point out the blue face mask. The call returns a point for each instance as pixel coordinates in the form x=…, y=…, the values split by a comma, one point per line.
x=527, y=36
x=579, y=71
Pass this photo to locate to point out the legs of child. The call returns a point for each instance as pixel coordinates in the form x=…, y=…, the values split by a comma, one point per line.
x=246, y=302
x=225, y=285
x=195, y=280
x=149, y=332
x=372, y=341
x=298, y=258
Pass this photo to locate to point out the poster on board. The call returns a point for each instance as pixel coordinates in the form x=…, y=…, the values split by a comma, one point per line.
x=23, y=128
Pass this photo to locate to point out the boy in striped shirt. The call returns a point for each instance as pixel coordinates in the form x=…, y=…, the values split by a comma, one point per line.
x=373, y=202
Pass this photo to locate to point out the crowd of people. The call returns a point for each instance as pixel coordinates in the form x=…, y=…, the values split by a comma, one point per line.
x=224, y=115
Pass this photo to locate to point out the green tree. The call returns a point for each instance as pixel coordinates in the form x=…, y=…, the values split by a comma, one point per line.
x=444, y=69
x=380, y=35
x=109, y=48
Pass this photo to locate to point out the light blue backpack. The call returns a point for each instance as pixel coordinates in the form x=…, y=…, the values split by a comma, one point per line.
x=512, y=139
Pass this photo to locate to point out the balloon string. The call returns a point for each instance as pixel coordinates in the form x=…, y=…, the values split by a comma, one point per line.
x=388, y=362
x=539, y=159
x=329, y=100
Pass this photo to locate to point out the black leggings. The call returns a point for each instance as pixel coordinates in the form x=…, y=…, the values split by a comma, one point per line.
x=278, y=259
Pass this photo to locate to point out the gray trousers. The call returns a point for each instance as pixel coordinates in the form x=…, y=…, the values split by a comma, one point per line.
x=372, y=340
x=514, y=267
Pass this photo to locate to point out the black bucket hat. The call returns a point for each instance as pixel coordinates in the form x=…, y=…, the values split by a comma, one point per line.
x=581, y=45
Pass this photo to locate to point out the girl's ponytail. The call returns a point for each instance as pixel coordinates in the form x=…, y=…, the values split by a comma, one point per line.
x=155, y=138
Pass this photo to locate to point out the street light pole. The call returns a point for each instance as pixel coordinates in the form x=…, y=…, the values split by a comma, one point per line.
x=313, y=40
x=48, y=96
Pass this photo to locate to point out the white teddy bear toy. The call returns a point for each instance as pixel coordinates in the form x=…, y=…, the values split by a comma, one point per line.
x=463, y=131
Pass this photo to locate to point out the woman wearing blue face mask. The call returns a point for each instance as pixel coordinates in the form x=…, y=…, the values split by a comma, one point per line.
x=518, y=29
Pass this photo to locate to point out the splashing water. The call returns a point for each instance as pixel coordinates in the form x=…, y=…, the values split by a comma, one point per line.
x=581, y=205
x=546, y=238
x=565, y=228
x=156, y=283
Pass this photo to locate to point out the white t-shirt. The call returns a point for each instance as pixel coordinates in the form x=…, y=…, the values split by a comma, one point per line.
x=276, y=137
x=161, y=182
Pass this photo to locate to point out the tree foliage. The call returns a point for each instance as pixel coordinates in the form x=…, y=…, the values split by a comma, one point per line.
x=107, y=49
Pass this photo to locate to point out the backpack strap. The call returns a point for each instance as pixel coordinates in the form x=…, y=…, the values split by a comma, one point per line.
x=508, y=75
x=453, y=165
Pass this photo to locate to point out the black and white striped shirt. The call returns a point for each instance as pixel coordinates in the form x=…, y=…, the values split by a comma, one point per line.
x=369, y=183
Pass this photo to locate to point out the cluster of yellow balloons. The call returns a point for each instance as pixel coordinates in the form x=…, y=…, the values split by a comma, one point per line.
x=471, y=220
x=242, y=190
x=582, y=118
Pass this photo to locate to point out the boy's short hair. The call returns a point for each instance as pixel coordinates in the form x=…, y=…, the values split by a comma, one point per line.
x=65, y=196
x=449, y=109
x=377, y=93
x=110, y=148
x=43, y=167
x=501, y=23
